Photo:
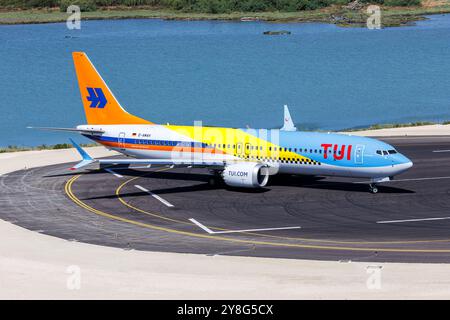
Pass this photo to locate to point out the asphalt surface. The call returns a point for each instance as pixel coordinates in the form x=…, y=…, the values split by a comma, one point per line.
x=327, y=218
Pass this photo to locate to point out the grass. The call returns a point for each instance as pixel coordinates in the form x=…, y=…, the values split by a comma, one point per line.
x=13, y=148
x=391, y=16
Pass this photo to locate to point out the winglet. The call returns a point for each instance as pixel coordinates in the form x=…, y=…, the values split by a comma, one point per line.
x=288, y=124
x=87, y=159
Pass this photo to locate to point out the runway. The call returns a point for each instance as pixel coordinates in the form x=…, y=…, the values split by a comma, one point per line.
x=177, y=210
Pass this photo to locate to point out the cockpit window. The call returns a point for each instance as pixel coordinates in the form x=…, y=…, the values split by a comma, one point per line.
x=385, y=153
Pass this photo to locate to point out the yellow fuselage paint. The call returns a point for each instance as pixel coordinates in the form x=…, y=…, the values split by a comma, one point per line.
x=256, y=145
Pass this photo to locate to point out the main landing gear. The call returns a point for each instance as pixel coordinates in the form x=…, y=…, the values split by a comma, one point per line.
x=373, y=188
x=215, y=179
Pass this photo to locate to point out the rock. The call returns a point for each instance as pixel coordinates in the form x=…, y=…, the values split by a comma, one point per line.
x=249, y=19
x=355, y=5
x=276, y=32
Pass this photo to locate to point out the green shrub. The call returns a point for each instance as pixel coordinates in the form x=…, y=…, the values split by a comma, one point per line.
x=61, y=146
x=402, y=3
x=212, y=6
x=394, y=3
x=29, y=3
x=85, y=5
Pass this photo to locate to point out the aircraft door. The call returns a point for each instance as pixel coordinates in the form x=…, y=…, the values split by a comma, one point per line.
x=239, y=149
x=247, y=149
x=359, y=153
x=121, y=140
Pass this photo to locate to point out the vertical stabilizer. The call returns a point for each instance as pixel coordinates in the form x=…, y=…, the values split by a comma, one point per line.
x=100, y=105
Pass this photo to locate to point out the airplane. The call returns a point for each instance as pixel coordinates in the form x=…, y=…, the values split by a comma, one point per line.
x=240, y=157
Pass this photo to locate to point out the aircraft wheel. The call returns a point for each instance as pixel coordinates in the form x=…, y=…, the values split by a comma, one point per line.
x=373, y=188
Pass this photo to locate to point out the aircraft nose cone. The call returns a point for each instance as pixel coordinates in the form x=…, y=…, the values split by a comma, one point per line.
x=408, y=164
x=404, y=165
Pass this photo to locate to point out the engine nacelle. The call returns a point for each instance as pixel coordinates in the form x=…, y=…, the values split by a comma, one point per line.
x=246, y=175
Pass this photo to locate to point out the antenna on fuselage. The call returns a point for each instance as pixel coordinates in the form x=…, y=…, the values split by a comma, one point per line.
x=288, y=124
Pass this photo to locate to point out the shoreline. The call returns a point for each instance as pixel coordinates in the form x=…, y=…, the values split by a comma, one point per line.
x=387, y=130
x=391, y=16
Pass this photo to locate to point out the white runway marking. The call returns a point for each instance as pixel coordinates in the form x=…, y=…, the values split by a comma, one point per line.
x=414, y=220
x=167, y=203
x=205, y=228
x=441, y=151
x=114, y=173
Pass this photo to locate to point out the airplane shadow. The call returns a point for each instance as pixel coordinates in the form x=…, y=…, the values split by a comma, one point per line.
x=355, y=187
x=315, y=182
x=307, y=182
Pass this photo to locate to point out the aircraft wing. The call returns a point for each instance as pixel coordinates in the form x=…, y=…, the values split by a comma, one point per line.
x=195, y=161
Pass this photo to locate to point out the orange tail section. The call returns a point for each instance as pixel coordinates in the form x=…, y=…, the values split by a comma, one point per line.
x=100, y=105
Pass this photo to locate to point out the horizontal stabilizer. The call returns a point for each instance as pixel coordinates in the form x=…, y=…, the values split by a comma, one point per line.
x=87, y=159
x=85, y=131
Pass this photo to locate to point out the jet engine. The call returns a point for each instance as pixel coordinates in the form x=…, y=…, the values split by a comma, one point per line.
x=246, y=175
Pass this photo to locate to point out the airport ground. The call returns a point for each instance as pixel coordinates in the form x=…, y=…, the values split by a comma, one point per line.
x=35, y=264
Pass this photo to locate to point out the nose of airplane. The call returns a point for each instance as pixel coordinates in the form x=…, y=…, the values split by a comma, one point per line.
x=408, y=163
x=403, y=163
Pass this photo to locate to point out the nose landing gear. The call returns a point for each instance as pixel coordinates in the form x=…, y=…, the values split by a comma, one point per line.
x=373, y=188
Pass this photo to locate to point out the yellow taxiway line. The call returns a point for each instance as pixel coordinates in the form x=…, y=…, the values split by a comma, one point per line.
x=70, y=194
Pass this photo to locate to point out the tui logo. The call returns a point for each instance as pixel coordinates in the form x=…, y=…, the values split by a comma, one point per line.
x=96, y=97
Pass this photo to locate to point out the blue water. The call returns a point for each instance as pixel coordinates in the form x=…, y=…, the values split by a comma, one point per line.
x=226, y=74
